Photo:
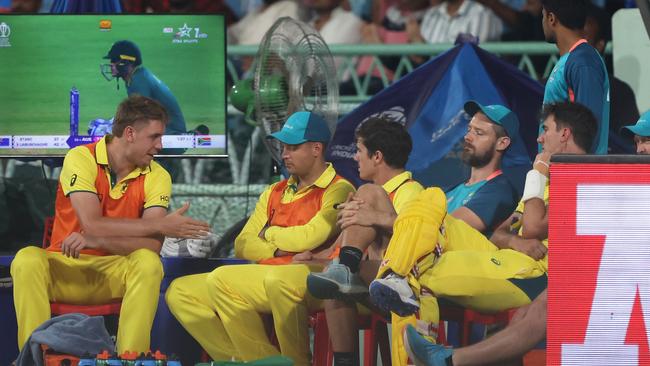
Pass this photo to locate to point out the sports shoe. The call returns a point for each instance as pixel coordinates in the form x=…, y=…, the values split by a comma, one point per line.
x=336, y=282
x=423, y=352
x=393, y=293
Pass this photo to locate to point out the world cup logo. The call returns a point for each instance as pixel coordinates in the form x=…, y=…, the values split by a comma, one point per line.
x=5, y=31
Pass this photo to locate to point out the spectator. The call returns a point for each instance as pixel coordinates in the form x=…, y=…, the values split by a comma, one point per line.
x=444, y=22
x=392, y=30
x=251, y=28
x=335, y=24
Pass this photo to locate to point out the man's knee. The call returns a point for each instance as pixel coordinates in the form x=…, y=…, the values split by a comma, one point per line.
x=30, y=260
x=370, y=192
x=147, y=263
x=174, y=293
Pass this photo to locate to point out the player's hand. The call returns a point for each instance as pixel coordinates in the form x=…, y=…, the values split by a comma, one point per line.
x=542, y=162
x=531, y=247
x=178, y=226
x=305, y=256
x=355, y=212
x=73, y=244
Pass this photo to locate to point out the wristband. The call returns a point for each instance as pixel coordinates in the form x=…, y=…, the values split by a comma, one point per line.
x=535, y=185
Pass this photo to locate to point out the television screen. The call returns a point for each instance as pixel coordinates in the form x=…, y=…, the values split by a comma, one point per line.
x=62, y=77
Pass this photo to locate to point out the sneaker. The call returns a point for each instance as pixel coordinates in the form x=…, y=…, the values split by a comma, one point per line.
x=336, y=282
x=393, y=293
x=423, y=352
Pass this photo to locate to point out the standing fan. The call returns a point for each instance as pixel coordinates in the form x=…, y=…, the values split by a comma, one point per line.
x=294, y=71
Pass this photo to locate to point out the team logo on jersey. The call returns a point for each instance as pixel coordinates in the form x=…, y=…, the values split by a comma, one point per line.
x=496, y=261
x=73, y=180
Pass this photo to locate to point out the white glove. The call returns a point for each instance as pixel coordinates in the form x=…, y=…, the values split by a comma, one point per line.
x=198, y=248
x=202, y=247
x=172, y=247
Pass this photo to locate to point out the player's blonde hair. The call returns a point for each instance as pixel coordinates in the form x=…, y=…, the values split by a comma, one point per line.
x=137, y=109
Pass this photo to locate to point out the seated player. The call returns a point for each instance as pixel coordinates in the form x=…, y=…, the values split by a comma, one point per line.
x=110, y=220
x=465, y=267
x=484, y=201
x=224, y=310
x=366, y=220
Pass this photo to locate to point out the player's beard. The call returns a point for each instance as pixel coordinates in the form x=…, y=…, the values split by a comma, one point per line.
x=476, y=160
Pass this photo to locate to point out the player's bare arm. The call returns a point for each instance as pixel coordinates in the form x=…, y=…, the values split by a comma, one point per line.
x=504, y=235
x=504, y=238
x=535, y=217
x=472, y=219
x=88, y=210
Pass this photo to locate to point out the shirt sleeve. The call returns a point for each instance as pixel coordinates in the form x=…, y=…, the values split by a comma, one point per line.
x=157, y=187
x=493, y=202
x=587, y=81
x=79, y=171
x=248, y=244
x=320, y=228
x=407, y=192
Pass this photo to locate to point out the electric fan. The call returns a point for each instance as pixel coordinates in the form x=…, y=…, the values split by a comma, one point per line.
x=294, y=71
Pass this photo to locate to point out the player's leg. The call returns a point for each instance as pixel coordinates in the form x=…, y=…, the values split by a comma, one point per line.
x=30, y=271
x=415, y=233
x=415, y=236
x=527, y=329
x=238, y=295
x=340, y=280
x=342, y=319
x=136, y=279
x=187, y=298
x=290, y=304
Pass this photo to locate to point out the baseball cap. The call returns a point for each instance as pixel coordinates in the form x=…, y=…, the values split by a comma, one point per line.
x=641, y=128
x=124, y=51
x=498, y=114
x=301, y=127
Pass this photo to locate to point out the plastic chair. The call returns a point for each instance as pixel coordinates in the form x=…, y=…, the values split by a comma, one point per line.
x=466, y=318
x=56, y=308
x=375, y=337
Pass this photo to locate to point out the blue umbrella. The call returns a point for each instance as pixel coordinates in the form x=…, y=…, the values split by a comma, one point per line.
x=430, y=102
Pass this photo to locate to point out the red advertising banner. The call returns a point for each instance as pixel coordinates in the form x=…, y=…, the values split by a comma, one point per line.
x=599, y=264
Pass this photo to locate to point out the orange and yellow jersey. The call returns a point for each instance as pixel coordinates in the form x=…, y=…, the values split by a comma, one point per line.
x=401, y=189
x=85, y=169
x=297, y=220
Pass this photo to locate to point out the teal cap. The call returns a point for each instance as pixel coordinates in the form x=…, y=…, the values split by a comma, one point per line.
x=498, y=114
x=641, y=128
x=302, y=127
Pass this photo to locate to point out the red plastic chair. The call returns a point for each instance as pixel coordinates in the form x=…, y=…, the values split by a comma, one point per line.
x=375, y=337
x=56, y=308
x=466, y=318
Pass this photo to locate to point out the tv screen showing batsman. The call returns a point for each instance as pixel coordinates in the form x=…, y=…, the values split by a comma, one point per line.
x=63, y=77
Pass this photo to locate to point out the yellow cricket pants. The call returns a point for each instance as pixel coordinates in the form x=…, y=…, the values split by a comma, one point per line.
x=223, y=310
x=420, y=229
x=41, y=277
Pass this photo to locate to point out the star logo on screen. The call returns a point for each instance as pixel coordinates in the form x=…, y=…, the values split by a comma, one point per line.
x=184, y=31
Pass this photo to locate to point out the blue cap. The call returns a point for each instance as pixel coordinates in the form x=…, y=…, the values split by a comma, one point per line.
x=641, y=128
x=498, y=114
x=301, y=127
